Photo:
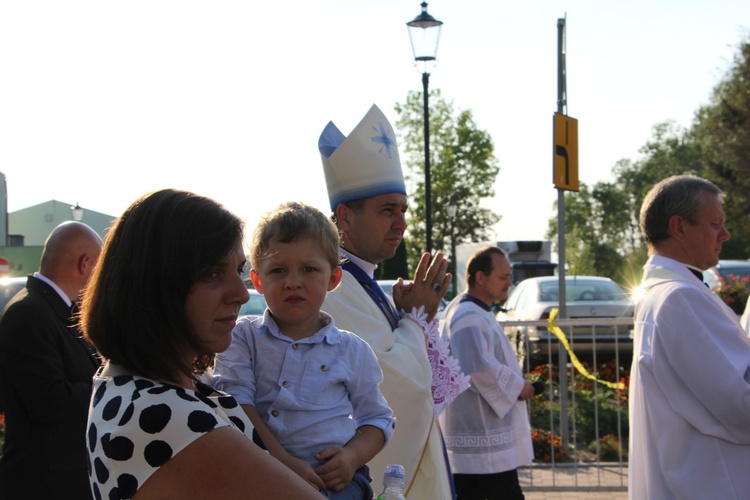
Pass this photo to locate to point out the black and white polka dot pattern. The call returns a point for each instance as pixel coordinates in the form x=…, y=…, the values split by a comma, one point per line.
x=136, y=425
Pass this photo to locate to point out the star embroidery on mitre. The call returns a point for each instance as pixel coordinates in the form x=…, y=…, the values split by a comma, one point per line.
x=384, y=140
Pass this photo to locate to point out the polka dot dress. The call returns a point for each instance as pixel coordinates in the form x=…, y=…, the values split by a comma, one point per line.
x=136, y=425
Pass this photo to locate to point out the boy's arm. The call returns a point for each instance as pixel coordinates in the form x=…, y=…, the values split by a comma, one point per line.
x=300, y=467
x=342, y=463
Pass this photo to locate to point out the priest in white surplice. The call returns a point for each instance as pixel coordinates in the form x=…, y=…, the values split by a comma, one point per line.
x=690, y=379
x=487, y=428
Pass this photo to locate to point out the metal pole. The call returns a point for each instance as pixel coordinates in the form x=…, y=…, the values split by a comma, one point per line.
x=562, y=311
x=453, y=254
x=427, y=189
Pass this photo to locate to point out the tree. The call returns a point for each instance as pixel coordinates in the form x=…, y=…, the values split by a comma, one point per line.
x=722, y=131
x=602, y=232
x=594, y=219
x=462, y=168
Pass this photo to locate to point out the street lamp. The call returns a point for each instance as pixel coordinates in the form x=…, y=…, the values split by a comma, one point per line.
x=77, y=212
x=424, y=43
x=451, y=209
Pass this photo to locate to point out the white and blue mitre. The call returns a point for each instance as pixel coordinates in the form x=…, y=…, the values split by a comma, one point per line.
x=365, y=163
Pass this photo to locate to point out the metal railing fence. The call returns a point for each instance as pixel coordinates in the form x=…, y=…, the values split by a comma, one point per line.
x=579, y=425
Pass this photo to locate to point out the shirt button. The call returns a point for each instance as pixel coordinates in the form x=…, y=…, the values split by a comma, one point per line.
x=324, y=368
x=295, y=346
x=275, y=413
x=285, y=383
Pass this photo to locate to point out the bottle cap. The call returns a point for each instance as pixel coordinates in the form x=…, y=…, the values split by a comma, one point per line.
x=394, y=475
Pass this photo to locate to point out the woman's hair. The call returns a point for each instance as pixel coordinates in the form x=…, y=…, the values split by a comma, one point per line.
x=133, y=309
x=677, y=195
x=294, y=221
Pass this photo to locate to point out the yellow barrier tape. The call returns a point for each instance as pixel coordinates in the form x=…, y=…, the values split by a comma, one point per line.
x=552, y=327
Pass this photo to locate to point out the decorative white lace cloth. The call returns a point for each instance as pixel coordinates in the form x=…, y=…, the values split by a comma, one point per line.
x=447, y=379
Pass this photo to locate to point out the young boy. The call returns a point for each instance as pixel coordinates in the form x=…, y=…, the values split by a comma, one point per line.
x=311, y=390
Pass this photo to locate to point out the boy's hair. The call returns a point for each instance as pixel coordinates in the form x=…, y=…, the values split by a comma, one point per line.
x=293, y=221
x=134, y=306
x=481, y=260
x=676, y=195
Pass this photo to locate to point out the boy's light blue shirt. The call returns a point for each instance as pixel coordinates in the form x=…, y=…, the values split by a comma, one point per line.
x=313, y=393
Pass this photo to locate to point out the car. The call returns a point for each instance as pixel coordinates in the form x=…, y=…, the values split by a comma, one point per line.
x=593, y=297
x=255, y=306
x=387, y=286
x=9, y=287
x=727, y=270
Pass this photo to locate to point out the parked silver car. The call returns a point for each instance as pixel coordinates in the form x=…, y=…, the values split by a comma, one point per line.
x=387, y=286
x=587, y=297
x=255, y=306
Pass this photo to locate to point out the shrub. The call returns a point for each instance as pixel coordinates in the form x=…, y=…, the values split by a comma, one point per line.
x=734, y=291
x=545, y=444
x=588, y=401
x=610, y=449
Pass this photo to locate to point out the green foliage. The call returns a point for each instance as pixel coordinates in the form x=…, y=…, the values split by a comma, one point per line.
x=722, y=131
x=462, y=168
x=601, y=222
x=602, y=232
x=395, y=267
x=609, y=449
x=588, y=403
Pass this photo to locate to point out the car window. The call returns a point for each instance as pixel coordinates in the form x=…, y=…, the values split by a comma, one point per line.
x=590, y=290
x=9, y=288
x=255, y=306
x=548, y=292
x=575, y=290
x=516, y=298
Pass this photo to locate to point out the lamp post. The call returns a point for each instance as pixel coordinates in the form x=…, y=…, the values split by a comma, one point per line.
x=77, y=212
x=451, y=209
x=424, y=43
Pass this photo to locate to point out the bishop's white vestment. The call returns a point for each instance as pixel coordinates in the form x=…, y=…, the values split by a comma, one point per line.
x=407, y=386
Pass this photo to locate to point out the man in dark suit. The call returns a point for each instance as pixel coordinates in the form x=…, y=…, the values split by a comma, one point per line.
x=46, y=371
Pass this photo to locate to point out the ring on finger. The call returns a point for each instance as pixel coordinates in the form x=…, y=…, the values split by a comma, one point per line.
x=436, y=286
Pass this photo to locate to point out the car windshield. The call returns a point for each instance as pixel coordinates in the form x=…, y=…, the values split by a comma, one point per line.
x=582, y=290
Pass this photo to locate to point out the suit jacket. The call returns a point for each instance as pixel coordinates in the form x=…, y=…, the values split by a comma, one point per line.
x=46, y=372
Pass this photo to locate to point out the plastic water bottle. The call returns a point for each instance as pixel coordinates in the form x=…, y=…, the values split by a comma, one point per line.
x=393, y=483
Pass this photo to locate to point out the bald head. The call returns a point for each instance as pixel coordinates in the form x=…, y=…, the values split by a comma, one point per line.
x=69, y=254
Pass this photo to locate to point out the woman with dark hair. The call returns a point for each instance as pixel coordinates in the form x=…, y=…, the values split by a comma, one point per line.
x=161, y=303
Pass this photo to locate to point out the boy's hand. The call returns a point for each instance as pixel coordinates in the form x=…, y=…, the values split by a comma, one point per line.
x=304, y=470
x=339, y=469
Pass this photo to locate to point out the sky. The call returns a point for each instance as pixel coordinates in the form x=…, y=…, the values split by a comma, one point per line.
x=102, y=101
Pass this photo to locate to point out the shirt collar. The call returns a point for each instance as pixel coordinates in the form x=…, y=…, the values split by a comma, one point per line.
x=367, y=267
x=470, y=298
x=56, y=288
x=697, y=272
x=327, y=330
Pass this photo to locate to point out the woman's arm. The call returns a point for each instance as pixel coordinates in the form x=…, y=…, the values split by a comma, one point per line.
x=225, y=464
